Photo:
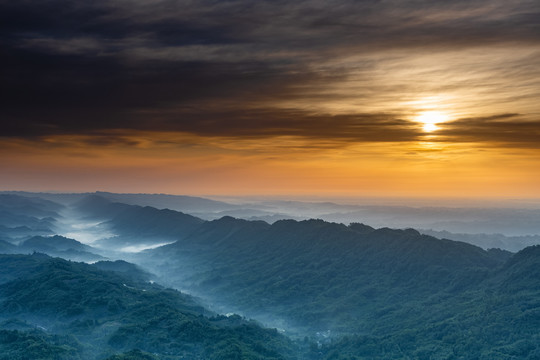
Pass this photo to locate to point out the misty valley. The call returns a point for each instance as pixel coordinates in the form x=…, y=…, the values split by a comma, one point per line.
x=105, y=276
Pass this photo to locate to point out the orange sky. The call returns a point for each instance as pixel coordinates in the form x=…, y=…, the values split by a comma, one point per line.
x=277, y=166
x=426, y=99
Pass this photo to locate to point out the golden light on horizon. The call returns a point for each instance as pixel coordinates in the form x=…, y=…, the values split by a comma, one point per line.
x=267, y=166
x=430, y=119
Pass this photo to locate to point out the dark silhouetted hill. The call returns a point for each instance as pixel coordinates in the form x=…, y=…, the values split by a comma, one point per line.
x=56, y=242
x=7, y=247
x=22, y=216
x=181, y=203
x=136, y=224
x=29, y=206
x=59, y=246
x=489, y=241
x=125, y=268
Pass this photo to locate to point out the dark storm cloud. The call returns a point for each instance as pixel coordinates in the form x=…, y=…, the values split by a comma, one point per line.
x=215, y=68
x=504, y=130
x=271, y=122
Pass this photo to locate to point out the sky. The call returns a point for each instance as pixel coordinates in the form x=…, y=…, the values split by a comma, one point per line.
x=336, y=98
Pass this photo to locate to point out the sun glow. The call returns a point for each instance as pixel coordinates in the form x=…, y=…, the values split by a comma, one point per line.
x=430, y=119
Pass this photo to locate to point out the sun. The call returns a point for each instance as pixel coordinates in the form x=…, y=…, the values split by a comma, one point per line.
x=430, y=119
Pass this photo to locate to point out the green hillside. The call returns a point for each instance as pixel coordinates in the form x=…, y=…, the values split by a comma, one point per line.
x=354, y=291
x=74, y=310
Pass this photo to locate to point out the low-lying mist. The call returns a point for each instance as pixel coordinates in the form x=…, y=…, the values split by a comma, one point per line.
x=338, y=284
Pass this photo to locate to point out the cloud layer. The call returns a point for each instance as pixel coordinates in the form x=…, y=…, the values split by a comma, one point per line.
x=343, y=71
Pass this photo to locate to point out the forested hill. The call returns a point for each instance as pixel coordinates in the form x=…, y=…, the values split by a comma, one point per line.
x=56, y=309
x=499, y=318
x=384, y=287
x=318, y=274
x=137, y=224
x=56, y=245
x=22, y=217
x=337, y=291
